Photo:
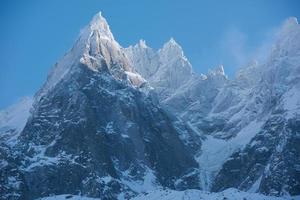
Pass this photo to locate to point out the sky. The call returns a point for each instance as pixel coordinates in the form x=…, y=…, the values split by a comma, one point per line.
x=34, y=34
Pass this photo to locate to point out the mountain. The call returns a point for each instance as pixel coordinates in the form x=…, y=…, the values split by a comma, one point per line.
x=13, y=120
x=269, y=162
x=121, y=123
x=165, y=69
x=250, y=124
x=93, y=131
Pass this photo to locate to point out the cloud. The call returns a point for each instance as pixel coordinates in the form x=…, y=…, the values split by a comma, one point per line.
x=233, y=45
x=237, y=47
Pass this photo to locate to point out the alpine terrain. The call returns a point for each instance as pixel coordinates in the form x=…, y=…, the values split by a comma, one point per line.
x=138, y=123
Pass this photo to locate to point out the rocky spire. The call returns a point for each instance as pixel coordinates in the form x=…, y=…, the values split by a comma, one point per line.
x=99, y=23
x=285, y=41
x=172, y=47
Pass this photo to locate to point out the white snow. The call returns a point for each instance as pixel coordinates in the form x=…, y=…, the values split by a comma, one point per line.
x=124, y=136
x=292, y=102
x=67, y=196
x=148, y=183
x=100, y=24
x=109, y=128
x=14, y=118
x=229, y=194
x=94, y=45
x=217, y=71
x=135, y=79
x=40, y=159
x=214, y=152
x=166, y=69
x=255, y=186
x=171, y=75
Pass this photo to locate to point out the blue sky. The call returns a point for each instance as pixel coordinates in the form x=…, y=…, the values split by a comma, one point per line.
x=34, y=34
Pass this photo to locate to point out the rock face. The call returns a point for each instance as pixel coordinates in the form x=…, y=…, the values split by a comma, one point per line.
x=98, y=130
x=113, y=122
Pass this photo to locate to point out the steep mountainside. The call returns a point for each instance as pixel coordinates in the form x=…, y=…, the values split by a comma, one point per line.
x=93, y=131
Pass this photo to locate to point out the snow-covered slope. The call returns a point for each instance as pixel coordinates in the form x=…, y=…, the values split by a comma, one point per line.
x=230, y=194
x=13, y=120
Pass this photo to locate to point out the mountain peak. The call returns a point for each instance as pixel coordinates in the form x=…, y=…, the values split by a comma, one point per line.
x=99, y=23
x=219, y=70
x=291, y=21
x=290, y=25
x=286, y=37
x=172, y=42
x=172, y=48
x=98, y=20
x=248, y=74
x=142, y=43
x=94, y=45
